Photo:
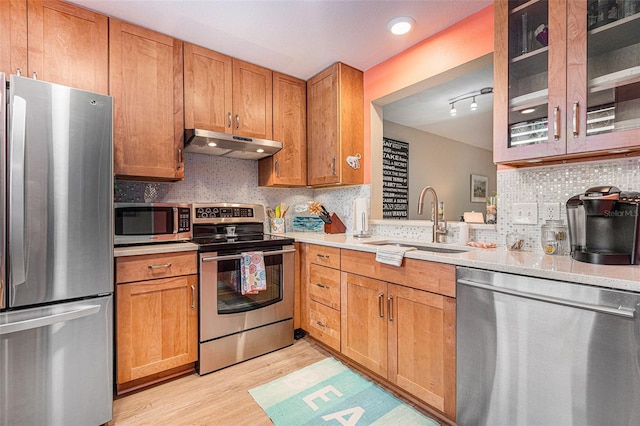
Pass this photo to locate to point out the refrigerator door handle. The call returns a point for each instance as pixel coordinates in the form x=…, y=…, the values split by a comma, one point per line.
x=17, y=200
x=15, y=327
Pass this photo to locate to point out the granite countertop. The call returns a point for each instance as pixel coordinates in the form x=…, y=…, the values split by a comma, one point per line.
x=526, y=262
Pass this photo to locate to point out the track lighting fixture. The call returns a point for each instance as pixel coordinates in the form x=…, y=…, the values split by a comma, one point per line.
x=470, y=95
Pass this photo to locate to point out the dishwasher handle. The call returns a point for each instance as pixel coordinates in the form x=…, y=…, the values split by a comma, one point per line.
x=622, y=312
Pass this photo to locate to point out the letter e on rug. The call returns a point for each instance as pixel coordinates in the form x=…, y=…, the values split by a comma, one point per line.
x=322, y=393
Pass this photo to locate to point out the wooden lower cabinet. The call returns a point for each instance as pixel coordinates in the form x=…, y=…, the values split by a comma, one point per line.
x=364, y=322
x=324, y=324
x=404, y=335
x=398, y=323
x=422, y=346
x=156, y=319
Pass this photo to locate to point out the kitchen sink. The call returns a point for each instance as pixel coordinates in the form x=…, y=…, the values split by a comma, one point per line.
x=421, y=247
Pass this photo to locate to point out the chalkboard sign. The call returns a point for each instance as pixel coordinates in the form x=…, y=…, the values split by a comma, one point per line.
x=395, y=179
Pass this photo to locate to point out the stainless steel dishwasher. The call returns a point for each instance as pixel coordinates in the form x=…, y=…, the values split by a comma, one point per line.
x=539, y=352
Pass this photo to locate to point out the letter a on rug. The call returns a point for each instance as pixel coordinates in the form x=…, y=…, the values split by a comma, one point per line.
x=328, y=393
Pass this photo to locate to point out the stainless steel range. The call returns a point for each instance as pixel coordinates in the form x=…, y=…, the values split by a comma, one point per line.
x=234, y=326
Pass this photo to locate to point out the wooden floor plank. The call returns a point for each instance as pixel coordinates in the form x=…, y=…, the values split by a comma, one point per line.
x=218, y=398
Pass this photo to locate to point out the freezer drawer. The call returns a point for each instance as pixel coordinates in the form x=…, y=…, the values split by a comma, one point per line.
x=56, y=364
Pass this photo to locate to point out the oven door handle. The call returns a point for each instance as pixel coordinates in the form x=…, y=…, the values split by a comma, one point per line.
x=238, y=256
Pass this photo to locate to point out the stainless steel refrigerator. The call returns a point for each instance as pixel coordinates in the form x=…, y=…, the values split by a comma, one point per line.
x=56, y=301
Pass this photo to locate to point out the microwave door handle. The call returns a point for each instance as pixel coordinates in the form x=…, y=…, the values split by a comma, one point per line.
x=175, y=220
x=238, y=256
x=17, y=198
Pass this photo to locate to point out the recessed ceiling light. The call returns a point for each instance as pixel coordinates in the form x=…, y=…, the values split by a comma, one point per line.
x=212, y=144
x=527, y=111
x=401, y=25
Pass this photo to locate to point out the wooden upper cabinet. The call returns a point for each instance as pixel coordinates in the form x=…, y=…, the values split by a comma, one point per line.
x=68, y=45
x=288, y=167
x=227, y=95
x=146, y=82
x=603, y=77
x=13, y=36
x=529, y=81
x=335, y=126
x=207, y=89
x=252, y=100
x=566, y=80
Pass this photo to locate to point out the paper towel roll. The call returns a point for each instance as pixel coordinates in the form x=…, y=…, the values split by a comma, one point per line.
x=361, y=215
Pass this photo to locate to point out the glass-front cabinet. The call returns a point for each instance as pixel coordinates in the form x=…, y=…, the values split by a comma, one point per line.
x=567, y=78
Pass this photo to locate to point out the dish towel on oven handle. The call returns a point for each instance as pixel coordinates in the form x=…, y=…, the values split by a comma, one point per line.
x=253, y=274
x=391, y=255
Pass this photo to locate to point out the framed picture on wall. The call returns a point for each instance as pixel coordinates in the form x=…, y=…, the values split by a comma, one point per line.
x=479, y=185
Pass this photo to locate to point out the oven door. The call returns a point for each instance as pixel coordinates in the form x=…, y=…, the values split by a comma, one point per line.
x=224, y=310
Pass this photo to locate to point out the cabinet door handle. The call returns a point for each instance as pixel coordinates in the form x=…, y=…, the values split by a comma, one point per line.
x=229, y=119
x=322, y=256
x=193, y=297
x=381, y=305
x=576, y=111
x=180, y=158
x=390, y=307
x=277, y=168
x=556, y=123
x=333, y=166
x=322, y=285
x=237, y=121
x=166, y=265
x=322, y=325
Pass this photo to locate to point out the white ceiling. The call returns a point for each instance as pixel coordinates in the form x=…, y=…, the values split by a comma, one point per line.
x=302, y=37
x=296, y=37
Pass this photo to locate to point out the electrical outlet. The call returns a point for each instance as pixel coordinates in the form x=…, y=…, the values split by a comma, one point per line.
x=551, y=211
x=525, y=213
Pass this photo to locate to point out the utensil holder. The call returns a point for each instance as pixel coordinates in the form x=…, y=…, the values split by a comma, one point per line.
x=276, y=224
x=336, y=226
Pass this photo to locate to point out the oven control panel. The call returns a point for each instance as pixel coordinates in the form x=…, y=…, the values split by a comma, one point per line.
x=227, y=213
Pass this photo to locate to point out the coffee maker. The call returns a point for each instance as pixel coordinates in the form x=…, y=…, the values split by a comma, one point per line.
x=604, y=226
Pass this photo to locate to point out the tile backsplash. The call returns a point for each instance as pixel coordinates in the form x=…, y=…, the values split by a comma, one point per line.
x=548, y=184
x=218, y=179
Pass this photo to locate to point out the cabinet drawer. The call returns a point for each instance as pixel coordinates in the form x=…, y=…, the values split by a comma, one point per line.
x=324, y=285
x=324, y=324
x=419, y=274
x=151, y=266
x=325, y=256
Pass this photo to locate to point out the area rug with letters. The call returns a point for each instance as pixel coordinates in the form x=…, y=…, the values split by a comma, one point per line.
x=328, y=392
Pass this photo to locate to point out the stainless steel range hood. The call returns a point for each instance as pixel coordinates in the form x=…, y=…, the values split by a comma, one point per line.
x=225, y=145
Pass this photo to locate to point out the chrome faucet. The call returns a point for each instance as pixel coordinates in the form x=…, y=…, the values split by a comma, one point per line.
x=438, y=234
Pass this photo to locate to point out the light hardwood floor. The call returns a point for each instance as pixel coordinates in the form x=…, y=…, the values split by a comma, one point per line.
x=219, y=398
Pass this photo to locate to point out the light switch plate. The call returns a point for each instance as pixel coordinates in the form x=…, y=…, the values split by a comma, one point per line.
x=525, y=213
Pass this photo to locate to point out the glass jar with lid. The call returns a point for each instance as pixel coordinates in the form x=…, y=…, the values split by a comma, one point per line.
x=554, y=237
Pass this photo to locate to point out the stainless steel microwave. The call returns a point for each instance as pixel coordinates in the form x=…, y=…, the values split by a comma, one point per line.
x=140, y=223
